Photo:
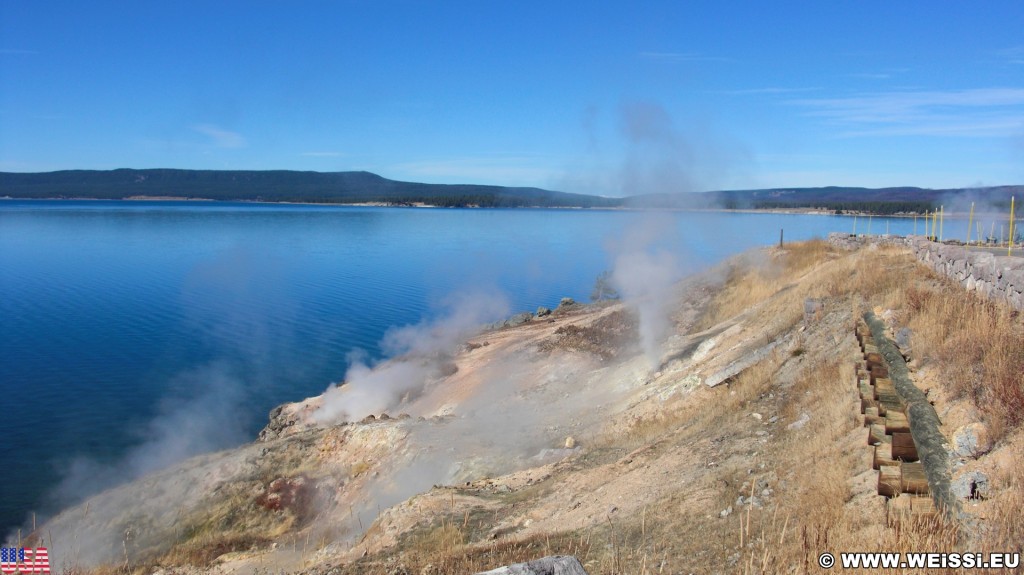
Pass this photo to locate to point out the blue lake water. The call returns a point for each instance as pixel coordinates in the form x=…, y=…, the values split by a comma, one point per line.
x=120, y=321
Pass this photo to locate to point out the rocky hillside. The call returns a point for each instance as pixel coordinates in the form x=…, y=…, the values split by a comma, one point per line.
x=739, y=448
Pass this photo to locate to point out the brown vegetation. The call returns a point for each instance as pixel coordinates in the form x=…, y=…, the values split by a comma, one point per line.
x=607, y=337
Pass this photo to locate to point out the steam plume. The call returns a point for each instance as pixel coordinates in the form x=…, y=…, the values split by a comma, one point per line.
x=421, y=349
x=645, y=269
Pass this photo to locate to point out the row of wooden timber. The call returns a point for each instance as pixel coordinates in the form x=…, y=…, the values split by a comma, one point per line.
x=901, y=476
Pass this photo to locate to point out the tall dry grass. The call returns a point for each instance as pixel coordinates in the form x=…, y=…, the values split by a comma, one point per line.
x=978, y=347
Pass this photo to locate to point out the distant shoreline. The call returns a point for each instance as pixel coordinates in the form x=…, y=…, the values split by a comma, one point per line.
x=791, y=211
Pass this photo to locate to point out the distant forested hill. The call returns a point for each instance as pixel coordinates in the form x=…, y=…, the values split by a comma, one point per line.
x=840, y=199
x=279, y=186
x=362, y=187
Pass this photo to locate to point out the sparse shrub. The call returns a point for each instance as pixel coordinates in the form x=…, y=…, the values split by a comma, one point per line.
x=603, y=288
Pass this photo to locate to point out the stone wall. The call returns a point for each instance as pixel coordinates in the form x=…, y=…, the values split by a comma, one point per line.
x=998, y=277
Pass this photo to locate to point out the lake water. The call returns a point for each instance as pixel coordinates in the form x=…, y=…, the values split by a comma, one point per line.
x=135, y=333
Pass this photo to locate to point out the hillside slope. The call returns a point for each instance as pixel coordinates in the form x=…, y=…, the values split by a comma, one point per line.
x=740, y=449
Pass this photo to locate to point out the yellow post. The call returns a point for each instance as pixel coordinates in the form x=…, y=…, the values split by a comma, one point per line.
x=970, y=222
x=942, y=220
x=1009, y=241
x=935, y=224
x=927, y=216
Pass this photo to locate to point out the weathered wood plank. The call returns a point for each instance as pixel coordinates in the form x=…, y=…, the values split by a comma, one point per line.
x=888, y=403
x=896, y=422
x=871, y=416
x=889, y=480
x=876, y=433
x=913, y=479
x=903, y=446
x=883, y=456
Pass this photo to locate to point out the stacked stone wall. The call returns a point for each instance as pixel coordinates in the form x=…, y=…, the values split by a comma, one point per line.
x=997, y=277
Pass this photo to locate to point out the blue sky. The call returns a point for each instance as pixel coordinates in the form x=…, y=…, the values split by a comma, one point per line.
x=608, y=98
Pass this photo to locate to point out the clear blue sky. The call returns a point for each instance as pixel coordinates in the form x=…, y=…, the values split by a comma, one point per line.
x=592, y=96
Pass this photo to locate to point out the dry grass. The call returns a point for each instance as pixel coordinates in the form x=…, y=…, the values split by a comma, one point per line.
x=977, y=345
x=443, y=548
x=752, y=282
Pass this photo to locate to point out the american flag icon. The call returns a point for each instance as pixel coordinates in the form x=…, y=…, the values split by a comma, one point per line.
x=24, y=560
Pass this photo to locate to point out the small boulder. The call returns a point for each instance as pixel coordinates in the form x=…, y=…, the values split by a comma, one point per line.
x=543, y=311
x=800, y=422
x=903, y=336
x=570, y=442
x=972, y=440
x=566, y=302
x=971, y=485
x=518, y=319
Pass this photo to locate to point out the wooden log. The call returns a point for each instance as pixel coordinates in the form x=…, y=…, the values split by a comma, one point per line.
x=889, y=404
x=903, y=447
x=889, y=480
x=883, y=456
x=896, y=422
x=922, y=505
x=866, y=402
x=877, y=371
x=554, y=565
x=889, y=397
x=913, y=479
x=876, y=434
x=909, y=507
x=872, y=356
x=898, y=507
x=871, y=416
x=886, y=390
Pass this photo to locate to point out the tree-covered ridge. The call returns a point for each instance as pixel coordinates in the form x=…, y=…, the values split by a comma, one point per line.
x=365, y=187
x=278, y=186
x=885, y=201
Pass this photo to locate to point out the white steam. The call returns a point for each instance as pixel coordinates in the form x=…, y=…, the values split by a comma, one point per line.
x=421, y=350
x=645, y=150
x=646, y=267
x=209, y=419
